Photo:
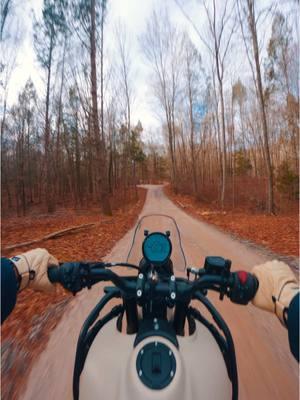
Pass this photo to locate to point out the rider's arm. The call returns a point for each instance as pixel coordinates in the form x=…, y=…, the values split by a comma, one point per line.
x=278, y=292
x=293, y=326
x=9, y=287
x=29, y=269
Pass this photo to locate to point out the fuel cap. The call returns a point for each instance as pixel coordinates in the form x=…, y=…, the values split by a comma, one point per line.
x=156, y=365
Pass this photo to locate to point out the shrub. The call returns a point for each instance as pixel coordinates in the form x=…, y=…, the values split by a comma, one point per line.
x=287, y=181
x=242, y=163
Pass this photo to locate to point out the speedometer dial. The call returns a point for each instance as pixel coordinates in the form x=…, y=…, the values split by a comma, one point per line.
x=157, y=248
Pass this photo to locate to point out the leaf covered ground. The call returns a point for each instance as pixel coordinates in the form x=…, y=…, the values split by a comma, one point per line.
x=26, y=331
x=278, y=233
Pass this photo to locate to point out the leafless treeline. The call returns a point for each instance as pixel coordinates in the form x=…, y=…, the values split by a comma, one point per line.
x=232, y=136
x=78, y=141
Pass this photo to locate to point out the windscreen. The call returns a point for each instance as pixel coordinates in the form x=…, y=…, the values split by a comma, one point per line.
x=157, y=223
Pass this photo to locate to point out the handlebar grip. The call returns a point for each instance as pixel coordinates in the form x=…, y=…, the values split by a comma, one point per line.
x=72, y=276
x=54, y=274
x=244, y=287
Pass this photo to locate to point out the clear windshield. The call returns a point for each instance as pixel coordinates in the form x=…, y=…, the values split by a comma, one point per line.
x=157, y=223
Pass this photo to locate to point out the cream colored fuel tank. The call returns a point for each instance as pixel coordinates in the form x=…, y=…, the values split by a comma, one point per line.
x=110, y=371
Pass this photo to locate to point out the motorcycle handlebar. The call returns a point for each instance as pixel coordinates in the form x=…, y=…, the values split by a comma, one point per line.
x=239, y=286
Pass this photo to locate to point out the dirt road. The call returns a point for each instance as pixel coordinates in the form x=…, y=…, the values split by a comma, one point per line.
x=266, y=368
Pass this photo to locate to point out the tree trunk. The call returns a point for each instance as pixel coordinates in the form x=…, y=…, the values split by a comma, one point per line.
x=99, y=138
x=22, y=172
x=233, y=153
x=58, y=125
x=252, y=25
x=49, y=194
x=90, y=157
x=223, y=144
x=192, y=130
x=77, y=164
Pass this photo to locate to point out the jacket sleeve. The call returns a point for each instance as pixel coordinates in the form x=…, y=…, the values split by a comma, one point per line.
x=293, y=326
x=9, y=288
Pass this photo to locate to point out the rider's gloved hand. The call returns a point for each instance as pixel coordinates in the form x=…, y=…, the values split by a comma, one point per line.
x=277, y=287
x=32, y=268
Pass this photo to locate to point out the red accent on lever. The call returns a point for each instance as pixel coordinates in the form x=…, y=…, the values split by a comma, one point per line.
x=243, y=276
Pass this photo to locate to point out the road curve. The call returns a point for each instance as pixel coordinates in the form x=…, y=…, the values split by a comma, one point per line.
x=266, y=368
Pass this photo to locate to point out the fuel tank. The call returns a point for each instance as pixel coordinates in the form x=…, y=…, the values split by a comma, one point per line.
x=155, y=369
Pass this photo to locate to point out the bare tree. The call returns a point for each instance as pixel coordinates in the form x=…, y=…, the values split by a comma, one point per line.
x=46, y=36
x=9, y=45
x=103, y=179
x=5, y=9
x=281, y=80
x=247, y=12
x=221, y=24
x=126, y=85
x=162, y=46
x=193, y=64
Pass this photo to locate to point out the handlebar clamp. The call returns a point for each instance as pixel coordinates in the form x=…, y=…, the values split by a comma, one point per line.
x=140, y=284
x=172, y=291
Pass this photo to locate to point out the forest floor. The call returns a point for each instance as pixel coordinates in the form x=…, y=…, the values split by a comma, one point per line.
x=279, y=233
x=26, y=331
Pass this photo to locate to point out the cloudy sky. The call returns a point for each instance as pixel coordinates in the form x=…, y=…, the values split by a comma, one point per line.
x=134, y=14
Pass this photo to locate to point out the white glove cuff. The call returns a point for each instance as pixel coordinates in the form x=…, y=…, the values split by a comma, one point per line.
x=285, y=296
x=23, y=267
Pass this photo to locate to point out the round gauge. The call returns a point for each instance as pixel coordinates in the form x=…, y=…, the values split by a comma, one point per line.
x=157, y=248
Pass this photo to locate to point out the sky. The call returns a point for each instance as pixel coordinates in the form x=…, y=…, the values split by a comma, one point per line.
x=133, y=14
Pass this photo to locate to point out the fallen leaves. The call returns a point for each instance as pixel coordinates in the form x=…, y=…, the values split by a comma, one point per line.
x=26, y=331
x=278, y=233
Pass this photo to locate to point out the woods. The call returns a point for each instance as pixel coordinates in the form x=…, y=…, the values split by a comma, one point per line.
x=76, y=144
x=229, y=134
x=232, y=134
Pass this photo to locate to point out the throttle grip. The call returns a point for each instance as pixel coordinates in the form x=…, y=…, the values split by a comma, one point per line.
x=72, y=276
x=244, y=287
